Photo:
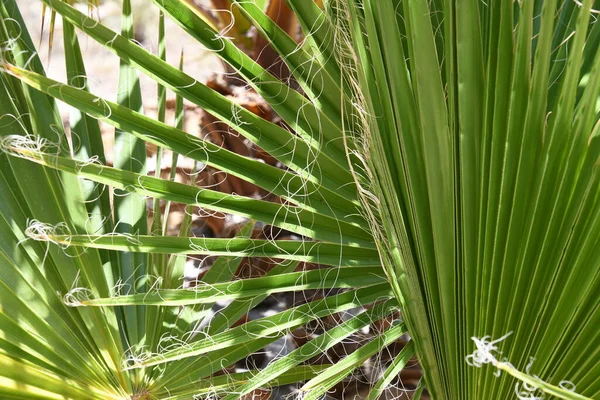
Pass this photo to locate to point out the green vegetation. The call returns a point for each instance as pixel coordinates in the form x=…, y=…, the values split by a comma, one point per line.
x=441, y=158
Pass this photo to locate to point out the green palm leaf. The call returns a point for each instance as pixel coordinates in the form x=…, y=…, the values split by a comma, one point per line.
x=440, y=157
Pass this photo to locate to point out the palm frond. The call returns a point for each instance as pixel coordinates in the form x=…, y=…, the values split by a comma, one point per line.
x=440, y=158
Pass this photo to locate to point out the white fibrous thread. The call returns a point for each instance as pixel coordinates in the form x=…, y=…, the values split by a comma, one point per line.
x=77, y=297
x=135, y=355
x=23, y=146
x=45, y=232
x=485, y=353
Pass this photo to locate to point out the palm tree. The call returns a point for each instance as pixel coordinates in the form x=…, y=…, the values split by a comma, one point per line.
x=440, y=158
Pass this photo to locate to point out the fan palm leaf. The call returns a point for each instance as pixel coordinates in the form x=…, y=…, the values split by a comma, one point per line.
x=440, y=158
